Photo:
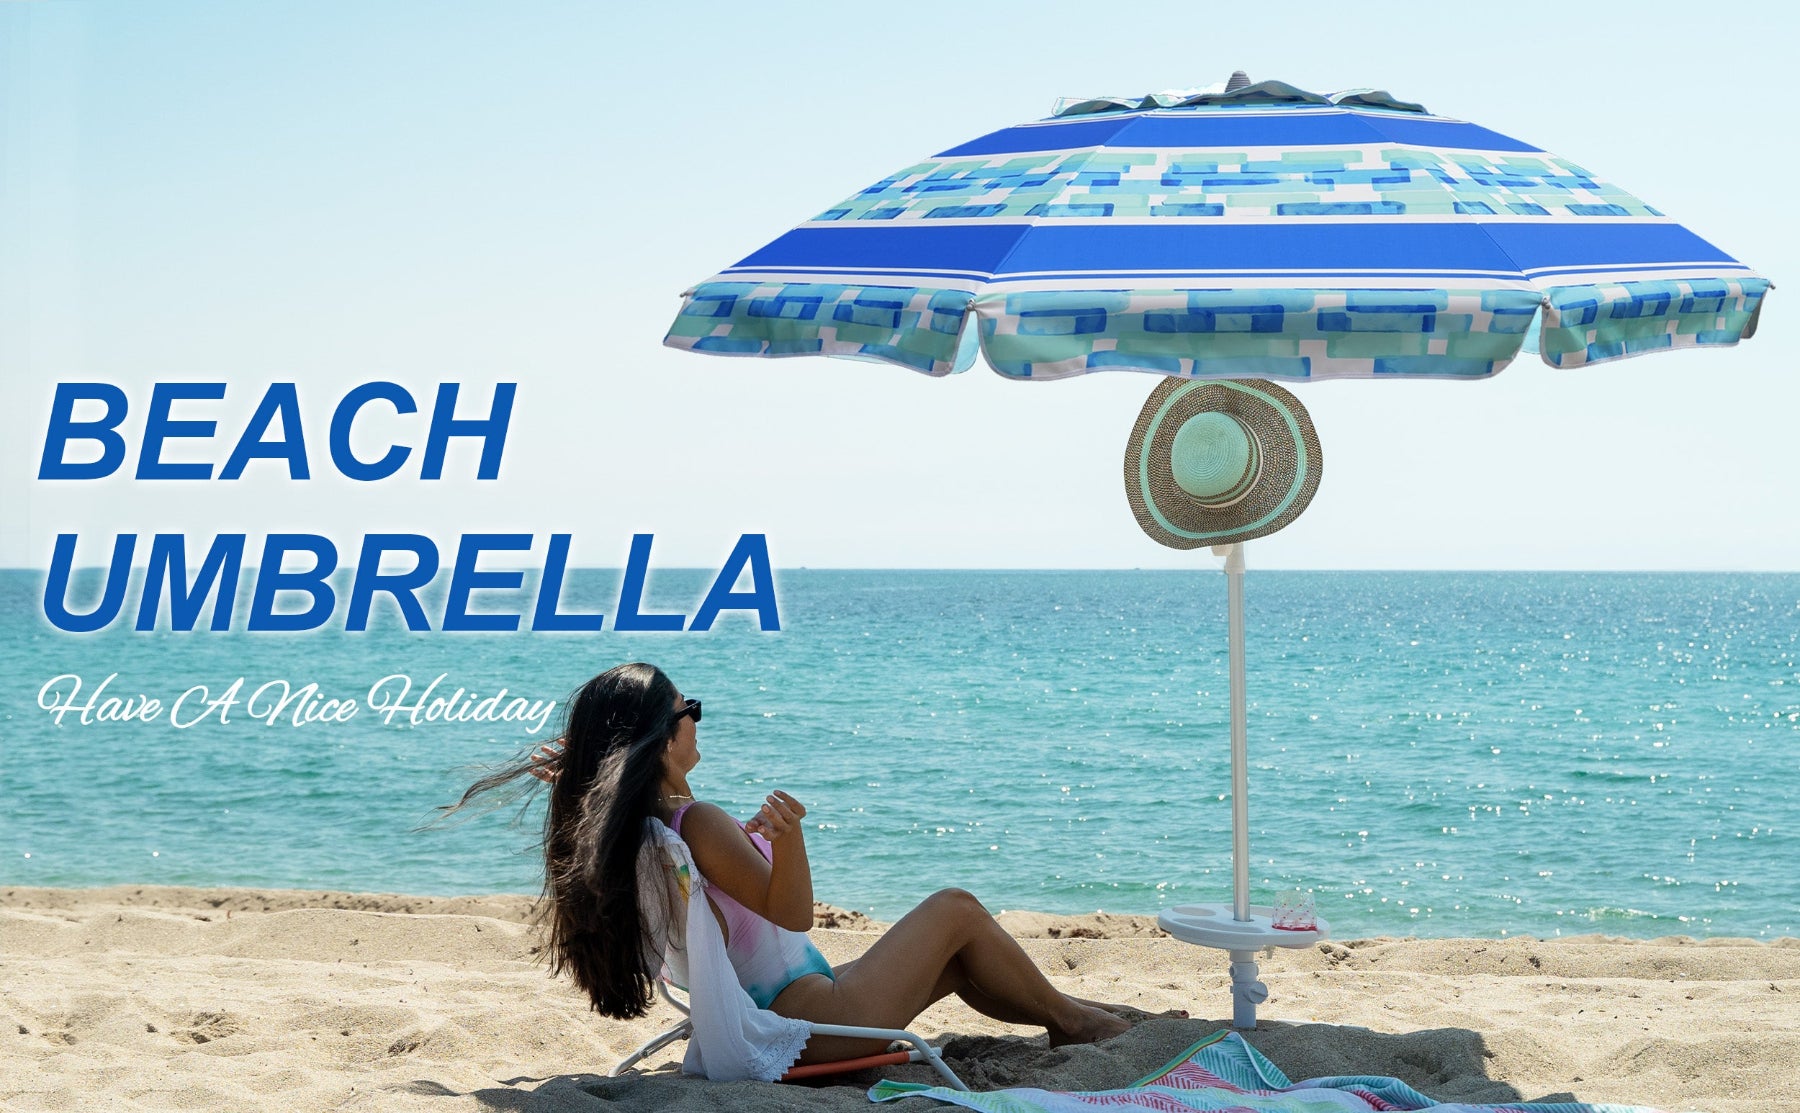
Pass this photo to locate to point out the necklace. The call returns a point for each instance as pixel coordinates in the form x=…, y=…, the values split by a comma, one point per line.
x=675, y=796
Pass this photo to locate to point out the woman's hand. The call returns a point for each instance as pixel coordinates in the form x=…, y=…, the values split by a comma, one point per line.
x=779, y=815
x=546, y=763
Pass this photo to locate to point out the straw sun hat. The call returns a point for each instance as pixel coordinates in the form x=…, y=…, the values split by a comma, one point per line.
x=1213, y=462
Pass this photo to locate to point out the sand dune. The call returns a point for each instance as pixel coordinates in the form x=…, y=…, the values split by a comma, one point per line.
x=233, y=999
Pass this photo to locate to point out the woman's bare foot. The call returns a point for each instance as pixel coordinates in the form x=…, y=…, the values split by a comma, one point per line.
x=1091, y=1025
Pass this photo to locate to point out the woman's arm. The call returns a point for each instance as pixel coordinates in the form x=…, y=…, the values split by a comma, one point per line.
x=778, y=891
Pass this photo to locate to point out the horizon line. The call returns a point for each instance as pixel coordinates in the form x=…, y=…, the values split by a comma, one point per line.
x=1081, y=568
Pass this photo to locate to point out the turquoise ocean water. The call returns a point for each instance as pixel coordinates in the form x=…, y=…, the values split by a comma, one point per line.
x=1431, y=753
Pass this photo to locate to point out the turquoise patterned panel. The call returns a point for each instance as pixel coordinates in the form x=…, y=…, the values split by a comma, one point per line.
x=1268, y=333
x=916, y=327
x=1593, y=324
x=1378, y=181
x=1216, y=333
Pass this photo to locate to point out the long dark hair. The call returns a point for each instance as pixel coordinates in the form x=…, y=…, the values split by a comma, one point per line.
x=615, y=733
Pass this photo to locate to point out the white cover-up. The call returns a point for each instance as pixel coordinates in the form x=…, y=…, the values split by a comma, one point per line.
x=732, y=1039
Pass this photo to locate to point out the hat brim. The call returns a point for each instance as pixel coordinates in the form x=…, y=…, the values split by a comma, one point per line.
x=1287, y=475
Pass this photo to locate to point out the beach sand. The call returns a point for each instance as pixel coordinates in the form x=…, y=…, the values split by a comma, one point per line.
x=139, y=997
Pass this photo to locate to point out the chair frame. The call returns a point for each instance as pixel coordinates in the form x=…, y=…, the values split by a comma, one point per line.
x=918, y=1050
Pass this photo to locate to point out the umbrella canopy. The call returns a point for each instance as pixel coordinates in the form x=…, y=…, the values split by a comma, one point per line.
x=1265, y=232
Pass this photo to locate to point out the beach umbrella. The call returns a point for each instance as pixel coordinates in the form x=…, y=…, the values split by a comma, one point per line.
x=1226, y=237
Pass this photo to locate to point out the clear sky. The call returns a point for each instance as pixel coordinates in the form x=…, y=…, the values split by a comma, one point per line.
x=332, y=193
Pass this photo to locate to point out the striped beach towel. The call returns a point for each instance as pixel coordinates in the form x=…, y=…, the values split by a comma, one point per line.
x=1222, y=1072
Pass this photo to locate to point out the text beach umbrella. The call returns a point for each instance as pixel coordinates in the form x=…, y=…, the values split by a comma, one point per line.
x=1244, y=233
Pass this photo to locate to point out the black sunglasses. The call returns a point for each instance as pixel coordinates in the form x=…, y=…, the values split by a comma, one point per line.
x=689, y=707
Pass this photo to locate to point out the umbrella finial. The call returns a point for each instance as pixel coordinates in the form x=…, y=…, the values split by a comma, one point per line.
x=1239, y=80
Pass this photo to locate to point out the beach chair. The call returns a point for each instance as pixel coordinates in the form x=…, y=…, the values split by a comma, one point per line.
x=917, y=1050
x=666, y=865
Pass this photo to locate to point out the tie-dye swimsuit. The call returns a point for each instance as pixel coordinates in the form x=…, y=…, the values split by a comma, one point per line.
x=767, y=958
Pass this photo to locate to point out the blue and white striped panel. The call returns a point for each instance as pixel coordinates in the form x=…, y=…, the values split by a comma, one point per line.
x=1232, y=128
x=1335, y=253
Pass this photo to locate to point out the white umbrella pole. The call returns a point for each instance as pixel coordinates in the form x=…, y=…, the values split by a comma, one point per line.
x=1240, y=756
x=1247, y=989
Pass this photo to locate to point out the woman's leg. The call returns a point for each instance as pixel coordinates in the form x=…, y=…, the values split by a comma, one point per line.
x=949, y=944
x=953, y=980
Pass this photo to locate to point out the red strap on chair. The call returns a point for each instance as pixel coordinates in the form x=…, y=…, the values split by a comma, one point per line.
x=844, y=1066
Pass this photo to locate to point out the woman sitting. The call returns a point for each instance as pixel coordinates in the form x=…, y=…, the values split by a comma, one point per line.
x=628, y=746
